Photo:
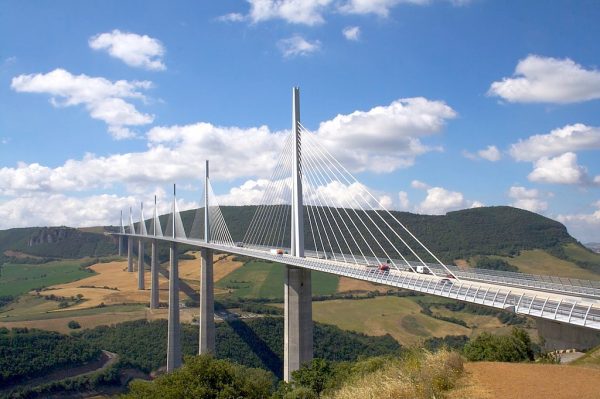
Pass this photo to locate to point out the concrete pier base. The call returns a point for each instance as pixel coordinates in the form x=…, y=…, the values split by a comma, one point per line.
x=565, y=336
x=129, y=255
x=206, y=342
x=154, y=299
x=298, y=324
x=173, y=332
x=141, y=284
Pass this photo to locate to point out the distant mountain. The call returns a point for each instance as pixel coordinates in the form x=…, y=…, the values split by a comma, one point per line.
x=54, y=242
x=500, y=230
x=594, y=246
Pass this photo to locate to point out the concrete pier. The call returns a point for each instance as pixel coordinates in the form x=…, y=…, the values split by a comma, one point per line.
x=120, y=245
x=206, y=342
x=129, y=254
x=174, y=330
x=154, y=299
x=298, y=324
x=141, y=284
x=559, y=336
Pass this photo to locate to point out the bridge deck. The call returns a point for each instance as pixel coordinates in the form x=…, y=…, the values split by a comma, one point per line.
x=570, y=304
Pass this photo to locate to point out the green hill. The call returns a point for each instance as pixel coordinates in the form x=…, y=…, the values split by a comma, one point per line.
x=499, y=230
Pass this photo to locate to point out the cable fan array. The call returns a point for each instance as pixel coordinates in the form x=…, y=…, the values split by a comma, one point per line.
x=343, y=221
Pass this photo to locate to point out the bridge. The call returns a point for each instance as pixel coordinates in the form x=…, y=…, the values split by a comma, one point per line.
x=314, y=215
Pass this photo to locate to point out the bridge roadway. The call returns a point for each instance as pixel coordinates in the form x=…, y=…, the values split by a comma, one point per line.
x=539, y=299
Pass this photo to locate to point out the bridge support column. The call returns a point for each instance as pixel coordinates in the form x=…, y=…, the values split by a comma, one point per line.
x=129, y=255
x=298, y=324
x=565, y=336
x=207, y=304
x=173, y=332
x=120, y=245
x=141, y=284
x=154, y=299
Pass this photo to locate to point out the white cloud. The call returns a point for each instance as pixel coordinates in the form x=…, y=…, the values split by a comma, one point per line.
x=562, y=169
x=103, y=99
x=351, y=33
x=62, y=210
x=569, y=138
x=378, y=7
x=307, y=12
x=548, y=80
x=133, y=49
x=176, y=153
x=584, y=226
x=404, y=201
x=298, y=46
x=232, y=17
x=419, y=185
x=384, y=138
x=491, y=153
x=440, y=200
x=528, y=199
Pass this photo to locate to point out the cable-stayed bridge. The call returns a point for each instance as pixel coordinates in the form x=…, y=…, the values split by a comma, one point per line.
x=315, y=215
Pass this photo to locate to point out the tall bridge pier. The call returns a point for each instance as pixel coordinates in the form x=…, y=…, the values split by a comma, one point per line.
x=174, y=359
x=129, y=255
x=154, y=299
x=298, y=325
x=206, y=340
x=141, y=245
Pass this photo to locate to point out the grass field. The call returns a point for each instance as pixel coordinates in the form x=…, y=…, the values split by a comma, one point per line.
x=258, y=279
x=590, y=359
x=17, y=279
x=399, y=317
x=577, y=253
x=538, y=261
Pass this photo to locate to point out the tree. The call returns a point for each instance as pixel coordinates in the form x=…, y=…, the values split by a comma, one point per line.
x=206, y=377
x=314, y=375
x=73, y=325
x=516, y=347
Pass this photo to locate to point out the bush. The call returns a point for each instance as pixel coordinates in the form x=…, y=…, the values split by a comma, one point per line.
x=206, y=377
x=495, y=264
x=73, y=325
x=516, y=347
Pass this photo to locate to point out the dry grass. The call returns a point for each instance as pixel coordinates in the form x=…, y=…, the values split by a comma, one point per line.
x=114, y=275
x=533, y=381
x=419, y=375
x=347, y=284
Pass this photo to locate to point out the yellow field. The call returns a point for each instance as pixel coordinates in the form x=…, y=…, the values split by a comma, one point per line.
x=400, y=317
x=114, y=275
x=347, y=284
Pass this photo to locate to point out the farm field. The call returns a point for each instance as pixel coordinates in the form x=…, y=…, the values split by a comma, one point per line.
x=258, y=279
x=347, y=284
x=528, y=381
x=399, y=317
x=17, y=279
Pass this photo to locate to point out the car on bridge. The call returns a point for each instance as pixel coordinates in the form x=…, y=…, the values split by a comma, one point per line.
x=276, y=251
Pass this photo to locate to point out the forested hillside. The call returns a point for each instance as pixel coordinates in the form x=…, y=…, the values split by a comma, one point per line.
x=499, y=230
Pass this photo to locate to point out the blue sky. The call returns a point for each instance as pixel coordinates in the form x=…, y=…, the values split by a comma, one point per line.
x=434, y=105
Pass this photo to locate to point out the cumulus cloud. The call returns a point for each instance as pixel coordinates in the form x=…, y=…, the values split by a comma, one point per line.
x=528, y=199
x=351, y=33
x=562, y=169
x=404, y=202
x=439, y=200
x=586, y=226
x=298, y=46
x=491, y=153
x=103, y=99
x=385, y=138
x=176, y=154
x=62, y=210
x=307, y=12
x=569, y=138
x=548, y=80
x=135, y=50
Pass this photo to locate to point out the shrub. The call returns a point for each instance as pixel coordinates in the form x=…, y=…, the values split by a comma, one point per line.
x=73, y=325
x=516, y=347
